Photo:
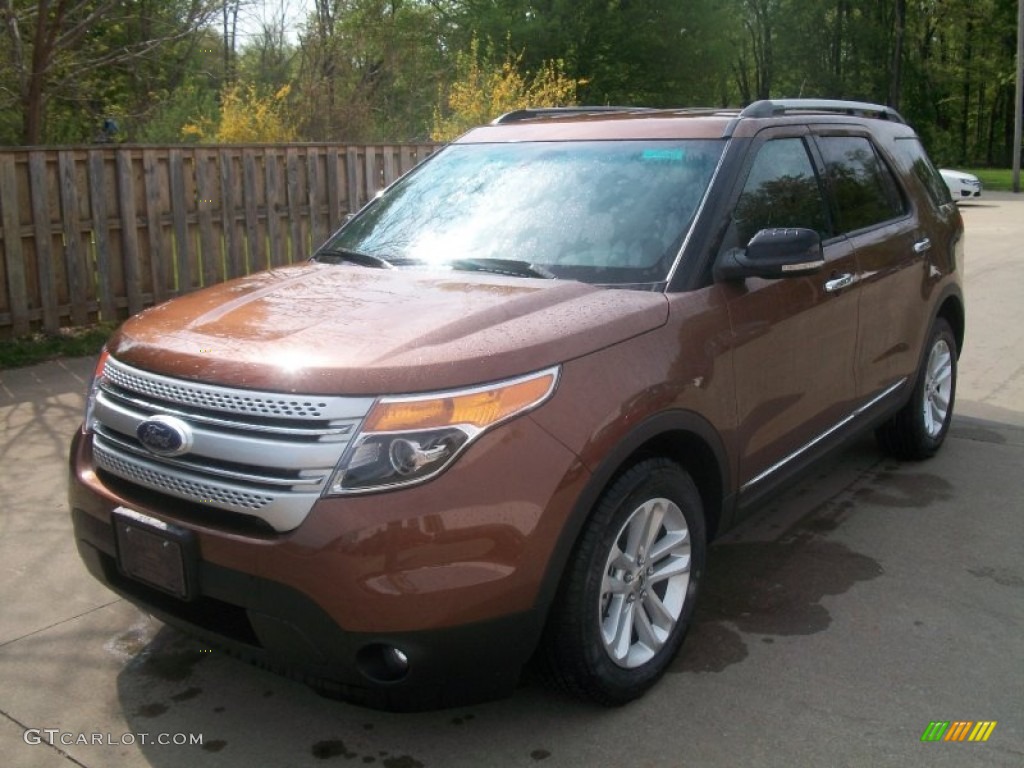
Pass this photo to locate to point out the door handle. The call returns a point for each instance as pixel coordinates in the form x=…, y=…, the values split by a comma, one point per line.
x=839, y=282
x=922, y=246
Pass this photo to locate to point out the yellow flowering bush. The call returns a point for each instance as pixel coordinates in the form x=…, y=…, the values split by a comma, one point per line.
x=246, y=116
x=483, y=90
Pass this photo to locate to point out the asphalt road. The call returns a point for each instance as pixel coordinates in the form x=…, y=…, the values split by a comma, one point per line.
x=872, y=599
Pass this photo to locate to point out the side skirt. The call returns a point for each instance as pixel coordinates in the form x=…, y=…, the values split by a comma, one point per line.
x=867, y=415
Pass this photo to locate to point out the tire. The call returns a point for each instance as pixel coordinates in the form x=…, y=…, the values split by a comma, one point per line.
x=621, y=614
x=920, y=428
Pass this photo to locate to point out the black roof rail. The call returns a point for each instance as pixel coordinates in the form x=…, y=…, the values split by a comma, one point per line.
x=532, y=112
x=776, y=107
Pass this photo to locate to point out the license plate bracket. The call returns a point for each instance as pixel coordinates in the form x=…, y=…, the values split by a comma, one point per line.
x=155, y=553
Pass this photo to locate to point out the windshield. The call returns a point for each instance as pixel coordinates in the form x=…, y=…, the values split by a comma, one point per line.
x=606, y=212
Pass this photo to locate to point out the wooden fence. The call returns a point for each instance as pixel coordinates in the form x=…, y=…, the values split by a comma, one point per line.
x=97, y=233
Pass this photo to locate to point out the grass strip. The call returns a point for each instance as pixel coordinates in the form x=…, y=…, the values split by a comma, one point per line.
x=41, y=346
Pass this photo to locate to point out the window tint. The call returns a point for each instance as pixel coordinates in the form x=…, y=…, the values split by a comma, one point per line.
x=924, y=170
x=782, y=190
x=865, y=191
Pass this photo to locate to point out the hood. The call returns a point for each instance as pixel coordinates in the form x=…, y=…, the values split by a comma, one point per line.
x=340, y=329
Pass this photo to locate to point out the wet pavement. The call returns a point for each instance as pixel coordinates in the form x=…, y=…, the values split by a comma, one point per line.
x=835, y=624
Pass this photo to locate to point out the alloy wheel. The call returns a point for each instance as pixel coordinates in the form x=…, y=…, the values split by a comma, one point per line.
x=937, y=387
x=645, y=581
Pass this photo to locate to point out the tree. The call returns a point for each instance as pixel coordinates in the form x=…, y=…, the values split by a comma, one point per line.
x=896, y=63
x=57, y=47
x=387, y=70
x=755, y=65
x=229, y=27
x=369, y=69
x=268, y=59
x=650, y=52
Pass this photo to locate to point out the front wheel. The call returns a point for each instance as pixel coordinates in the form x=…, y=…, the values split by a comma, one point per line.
x=629, y=591
x=919, y=429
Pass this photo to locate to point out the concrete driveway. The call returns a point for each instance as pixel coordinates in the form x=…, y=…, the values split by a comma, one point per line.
x=871, y=600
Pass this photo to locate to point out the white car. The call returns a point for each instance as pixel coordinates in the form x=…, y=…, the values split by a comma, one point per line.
x=962, y=186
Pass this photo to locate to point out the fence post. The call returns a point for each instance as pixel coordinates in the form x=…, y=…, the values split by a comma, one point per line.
x=14, y=258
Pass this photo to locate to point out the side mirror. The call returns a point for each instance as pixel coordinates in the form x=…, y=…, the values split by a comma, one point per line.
x=773, y=253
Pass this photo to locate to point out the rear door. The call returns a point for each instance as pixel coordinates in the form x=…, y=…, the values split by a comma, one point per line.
x=873, y=212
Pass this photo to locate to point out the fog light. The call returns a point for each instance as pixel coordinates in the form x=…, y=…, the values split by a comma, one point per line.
x=383, y=663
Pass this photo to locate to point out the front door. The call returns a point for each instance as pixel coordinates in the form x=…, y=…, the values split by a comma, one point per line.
x=793, y=339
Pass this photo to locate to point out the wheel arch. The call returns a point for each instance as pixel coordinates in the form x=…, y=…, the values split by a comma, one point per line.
x=951, y=309
x=682, y=436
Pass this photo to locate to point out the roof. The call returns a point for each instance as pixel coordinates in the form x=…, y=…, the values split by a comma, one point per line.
x=585, y=123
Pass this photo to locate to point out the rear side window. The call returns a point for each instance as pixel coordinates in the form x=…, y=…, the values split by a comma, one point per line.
x=865, y=191
x=782, y=190
x=922, y=167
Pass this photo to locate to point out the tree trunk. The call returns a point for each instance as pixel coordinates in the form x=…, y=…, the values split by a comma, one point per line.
x=896, y=66
x=33, y=96
x=32, y=106
x=837, y=47
x=742, y=81
x=965, y=107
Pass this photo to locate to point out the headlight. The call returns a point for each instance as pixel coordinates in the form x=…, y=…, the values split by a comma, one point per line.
x=406, y=440
x=94, y=386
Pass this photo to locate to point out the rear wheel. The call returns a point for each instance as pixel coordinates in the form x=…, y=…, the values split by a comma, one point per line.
x=919, y=429
x=629, y=591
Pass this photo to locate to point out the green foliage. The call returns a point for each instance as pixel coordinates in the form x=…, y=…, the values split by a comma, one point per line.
x=186, y=105
x=268, y=61
x=654, y=52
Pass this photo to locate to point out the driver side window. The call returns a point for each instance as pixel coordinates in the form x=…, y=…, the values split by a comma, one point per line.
x=782, y=190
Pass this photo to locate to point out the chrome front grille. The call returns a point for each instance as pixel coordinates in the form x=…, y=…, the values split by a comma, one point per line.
x=154, y=476
x=216, y=398
x=263, y=454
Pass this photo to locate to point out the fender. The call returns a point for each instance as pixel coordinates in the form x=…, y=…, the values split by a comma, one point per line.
x=659, y=425
x=955, y=291
x=957, y=323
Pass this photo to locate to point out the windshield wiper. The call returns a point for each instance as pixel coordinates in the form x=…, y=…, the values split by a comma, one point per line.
x=502, y=267
x=339, y=255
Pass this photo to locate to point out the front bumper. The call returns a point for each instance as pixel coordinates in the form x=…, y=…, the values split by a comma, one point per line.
x=449, y=578
x=277, y=627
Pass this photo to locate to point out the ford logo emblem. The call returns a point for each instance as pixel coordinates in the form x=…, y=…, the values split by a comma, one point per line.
x=165, y=436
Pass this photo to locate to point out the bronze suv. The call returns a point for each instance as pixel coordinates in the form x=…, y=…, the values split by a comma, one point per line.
x=501, y=412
